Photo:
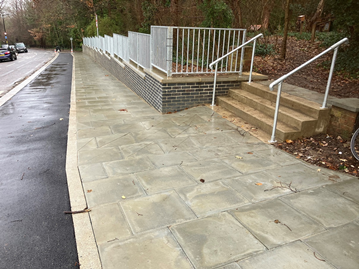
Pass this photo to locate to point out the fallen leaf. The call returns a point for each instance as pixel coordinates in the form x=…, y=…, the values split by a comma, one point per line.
x=250, y=152
x=89, y=191
x=61, y=118
x=238, y=157
x=288, y=141
x=259, y=184
x=123, y=109
x=202, y=180
x=123, y=197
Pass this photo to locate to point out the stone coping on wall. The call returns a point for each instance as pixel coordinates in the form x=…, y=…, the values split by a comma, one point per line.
x=351, y=104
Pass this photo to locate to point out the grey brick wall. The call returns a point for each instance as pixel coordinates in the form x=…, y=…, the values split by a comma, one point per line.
x=165, y=97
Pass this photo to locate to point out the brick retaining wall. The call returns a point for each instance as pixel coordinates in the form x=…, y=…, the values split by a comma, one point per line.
x=165, y=95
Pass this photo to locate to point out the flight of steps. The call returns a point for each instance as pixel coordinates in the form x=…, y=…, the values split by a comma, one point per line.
x=297, y=117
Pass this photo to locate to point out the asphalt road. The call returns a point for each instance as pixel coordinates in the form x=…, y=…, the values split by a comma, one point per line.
x=34, y=231
x=13, y=72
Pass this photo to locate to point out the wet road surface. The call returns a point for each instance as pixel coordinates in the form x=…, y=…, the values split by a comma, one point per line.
x=35, y=233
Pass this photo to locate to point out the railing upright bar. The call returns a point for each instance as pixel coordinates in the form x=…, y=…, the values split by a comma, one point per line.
x=253, y=51
x=214, y=44
x=242, y=53
x=182, y=49
x=272, y=140
x=194, y=34
x=209, y=41
x=238, y=40
x=187, y=48
x=219, y=42
x=199, y=38
x=324, y=105
x=229, y=40
x=224, y=41
x=177, y=50
x=204, y=39
x=214, y=85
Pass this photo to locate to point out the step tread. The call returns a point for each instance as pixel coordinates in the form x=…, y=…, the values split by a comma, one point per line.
x=269, y=104
x=281, y=127
x=284, y=95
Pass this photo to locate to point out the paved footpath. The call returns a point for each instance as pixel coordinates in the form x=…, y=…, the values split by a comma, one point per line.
x=191, y=190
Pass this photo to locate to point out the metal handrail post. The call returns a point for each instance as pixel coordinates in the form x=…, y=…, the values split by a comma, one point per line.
x=324, y=105
x=272, y=139
x=253, y=51
x=242, y=53
x=214, y=85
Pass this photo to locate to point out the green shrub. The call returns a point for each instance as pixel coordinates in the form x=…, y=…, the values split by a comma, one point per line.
x=264, y=49
x=329, y=38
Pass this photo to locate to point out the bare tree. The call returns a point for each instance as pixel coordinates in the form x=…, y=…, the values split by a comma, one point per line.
x=285, y=34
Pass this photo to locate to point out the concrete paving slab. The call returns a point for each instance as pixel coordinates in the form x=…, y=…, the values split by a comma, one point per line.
x=115, y=140
x=173, y=158
x=84, y=125
x=328, y=208
x=242, y=137
x=150, y=135
x=230, y=266
x=184, y=131
x=257, y=187
x=149, y=251
x=348, y=189
x=99, y=155
x=216, y=240
x=125, y=128
x=275, y=223
x=90, y=172
x=164, y=179
x=90, y=118
x=210, y=170
x=213, y=140
x=210, y=198
x=101, y=123
x=278, y=156
x=339, y=245
x=128, y=166
x=86, y=143
x=156, y=211
x=93, y=132
x=111, y=190
x=188, y=119
x=109, y=224
x=300, y=175
x=141, y=150
x=177, y=144
x=250, y=163
x=295, y=255
x=164, y=123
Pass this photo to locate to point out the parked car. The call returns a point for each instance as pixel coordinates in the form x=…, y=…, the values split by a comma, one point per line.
x=4, y=46
x=20, y=47
x=7, y=54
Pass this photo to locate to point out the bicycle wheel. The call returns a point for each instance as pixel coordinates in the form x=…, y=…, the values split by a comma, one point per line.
x=354, y=144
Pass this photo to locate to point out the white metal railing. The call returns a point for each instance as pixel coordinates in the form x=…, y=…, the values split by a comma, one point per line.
x=176, y=50
x=254, y=40
x=281, y=79
x=191, y=49
x=139, y=49
x=121, y=47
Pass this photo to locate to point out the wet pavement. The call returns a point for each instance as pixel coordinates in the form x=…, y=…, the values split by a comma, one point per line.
x=192, y=190
x=35, y=232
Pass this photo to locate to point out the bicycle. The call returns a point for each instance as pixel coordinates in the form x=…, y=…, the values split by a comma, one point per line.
x=354, y=144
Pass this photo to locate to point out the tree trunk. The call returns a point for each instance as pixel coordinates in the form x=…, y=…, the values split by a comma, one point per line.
x=315, y=19
x=285, y=34
x=236, y=8
x=267, y=7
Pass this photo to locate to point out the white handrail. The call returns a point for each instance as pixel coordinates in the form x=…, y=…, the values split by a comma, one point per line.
x=254, y=39
x=282, y=78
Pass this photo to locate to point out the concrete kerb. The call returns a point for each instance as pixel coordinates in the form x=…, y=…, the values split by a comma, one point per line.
x=86, y=244
x=19, y=87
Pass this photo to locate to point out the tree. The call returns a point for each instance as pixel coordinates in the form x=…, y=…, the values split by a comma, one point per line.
x=316, y=18
x=285, y=34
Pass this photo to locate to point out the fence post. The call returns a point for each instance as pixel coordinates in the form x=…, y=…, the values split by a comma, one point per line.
x=151, y=47
x=242, y=53
x=169, y=46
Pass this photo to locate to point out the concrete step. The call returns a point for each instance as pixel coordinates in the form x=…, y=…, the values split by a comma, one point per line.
x=258, y=118
x=297, y=117
x=296, y=103
x=286, y=115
